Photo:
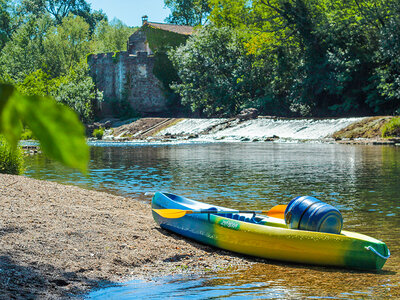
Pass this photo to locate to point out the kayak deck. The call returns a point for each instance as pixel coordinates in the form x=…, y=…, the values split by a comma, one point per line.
x=268, y=237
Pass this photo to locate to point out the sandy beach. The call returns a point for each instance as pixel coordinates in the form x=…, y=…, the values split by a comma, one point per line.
x=62, y=241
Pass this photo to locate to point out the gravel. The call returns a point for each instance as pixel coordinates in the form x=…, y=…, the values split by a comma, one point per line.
x=60, y=241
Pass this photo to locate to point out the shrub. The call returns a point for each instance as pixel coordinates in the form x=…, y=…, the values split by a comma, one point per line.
x=98, y=133
x=11, y=161
x=27, y=134
x=392, y=128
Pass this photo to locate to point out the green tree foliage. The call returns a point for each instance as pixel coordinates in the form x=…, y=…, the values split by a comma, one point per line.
x=66, y=45
x=318, y=57
x=23, y=54
x=388, y=70
x=54, y=63
x=23, y=11
x=112, y=36
x=77, y=90
x=5, y=23
x=188, y=12
x=37, y=83
x=229, y=13
x=215, y=72
x=391, y=129
x=60, y=9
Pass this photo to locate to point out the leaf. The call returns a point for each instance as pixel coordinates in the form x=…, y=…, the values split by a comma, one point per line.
x=61, y=134
x=10, y=124
x=6, y=91
x=58, y=129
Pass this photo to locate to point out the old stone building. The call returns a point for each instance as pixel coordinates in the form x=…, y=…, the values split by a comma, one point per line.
x=127, y=79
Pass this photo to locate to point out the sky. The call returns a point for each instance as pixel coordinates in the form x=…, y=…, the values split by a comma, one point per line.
x=131, y=11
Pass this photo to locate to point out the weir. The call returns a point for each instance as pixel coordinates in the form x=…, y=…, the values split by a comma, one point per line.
x=260, y=128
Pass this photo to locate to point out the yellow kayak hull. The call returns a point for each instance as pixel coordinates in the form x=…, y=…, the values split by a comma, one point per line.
x=269, y=237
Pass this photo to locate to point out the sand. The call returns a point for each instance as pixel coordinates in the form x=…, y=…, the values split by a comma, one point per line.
x=60, y=241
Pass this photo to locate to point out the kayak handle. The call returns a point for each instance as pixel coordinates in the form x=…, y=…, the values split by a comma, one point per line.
x=370, y=248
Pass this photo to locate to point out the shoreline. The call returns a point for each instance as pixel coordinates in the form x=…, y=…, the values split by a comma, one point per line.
x=60, y=241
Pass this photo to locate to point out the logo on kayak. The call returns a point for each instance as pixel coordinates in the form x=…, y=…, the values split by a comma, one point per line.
x=229, y=224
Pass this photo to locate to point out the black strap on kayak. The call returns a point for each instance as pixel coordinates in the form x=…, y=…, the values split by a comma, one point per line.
x=209, y=211
x=301, y=217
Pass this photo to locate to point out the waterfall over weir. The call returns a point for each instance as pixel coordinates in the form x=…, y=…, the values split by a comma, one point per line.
x=258, y=129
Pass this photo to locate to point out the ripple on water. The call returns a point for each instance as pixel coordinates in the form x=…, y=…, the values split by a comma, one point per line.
x=362, y=181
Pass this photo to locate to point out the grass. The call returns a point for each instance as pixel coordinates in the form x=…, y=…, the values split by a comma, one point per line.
x=11, y=160
x=98, y=133
x=392, y=128
x=366, y=128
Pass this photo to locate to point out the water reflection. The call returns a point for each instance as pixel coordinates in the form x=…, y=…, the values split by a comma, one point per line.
x=362, y=181
x=250, y=175
x=261, y=281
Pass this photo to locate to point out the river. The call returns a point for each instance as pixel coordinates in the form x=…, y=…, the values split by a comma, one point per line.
x=363, y=182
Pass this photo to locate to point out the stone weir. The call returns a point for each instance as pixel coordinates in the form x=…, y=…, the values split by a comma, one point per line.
x=127, y=80
x=259, y=129
x=236, y=129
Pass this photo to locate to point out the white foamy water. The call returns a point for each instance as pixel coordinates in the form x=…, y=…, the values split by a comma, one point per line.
x=297, y=129
x=287, y=129
x=191, y=126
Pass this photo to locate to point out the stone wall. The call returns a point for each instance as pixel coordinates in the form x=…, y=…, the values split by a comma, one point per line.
x=137, y=42
x=128, y=78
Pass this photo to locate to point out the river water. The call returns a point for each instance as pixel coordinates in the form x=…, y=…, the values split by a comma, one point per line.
x=362, y=181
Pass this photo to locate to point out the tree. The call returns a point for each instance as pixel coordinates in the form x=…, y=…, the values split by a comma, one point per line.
x=77, y=90
x=66, y=45
x=23, y=54
x=187, y=12
x=388, y=72
x=227, y=13
x=217, y=76
x=60, y=9
x=5, y=23
x=112, y=36
x=323, y=54
x=39, y=45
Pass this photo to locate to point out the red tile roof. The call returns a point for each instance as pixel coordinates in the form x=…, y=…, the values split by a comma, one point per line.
x=181, y=29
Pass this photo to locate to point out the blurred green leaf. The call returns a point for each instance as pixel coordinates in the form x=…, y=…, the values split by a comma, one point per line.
x=58, y=129
x=10, y=124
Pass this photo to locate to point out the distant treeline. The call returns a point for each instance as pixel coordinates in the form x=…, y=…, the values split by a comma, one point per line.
x=44, y=45
x=291, y=57
x=284, y=57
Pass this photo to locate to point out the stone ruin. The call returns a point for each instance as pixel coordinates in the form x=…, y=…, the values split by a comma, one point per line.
x=127, y=77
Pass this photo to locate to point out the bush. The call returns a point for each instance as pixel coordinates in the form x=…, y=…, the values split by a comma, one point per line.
x=98, y=133
x=27, y=134
x=392, y=128
x=11, y=162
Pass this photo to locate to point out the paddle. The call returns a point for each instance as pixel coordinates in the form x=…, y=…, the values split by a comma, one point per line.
x=277, y=211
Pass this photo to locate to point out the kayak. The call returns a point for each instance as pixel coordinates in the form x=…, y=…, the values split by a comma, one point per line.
x=269, y=237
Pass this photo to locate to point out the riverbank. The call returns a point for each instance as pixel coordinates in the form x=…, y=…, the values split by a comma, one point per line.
x=62, y=241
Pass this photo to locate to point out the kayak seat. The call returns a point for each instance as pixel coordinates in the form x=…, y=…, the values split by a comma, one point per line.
x=235, y=216
x=238, y=217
